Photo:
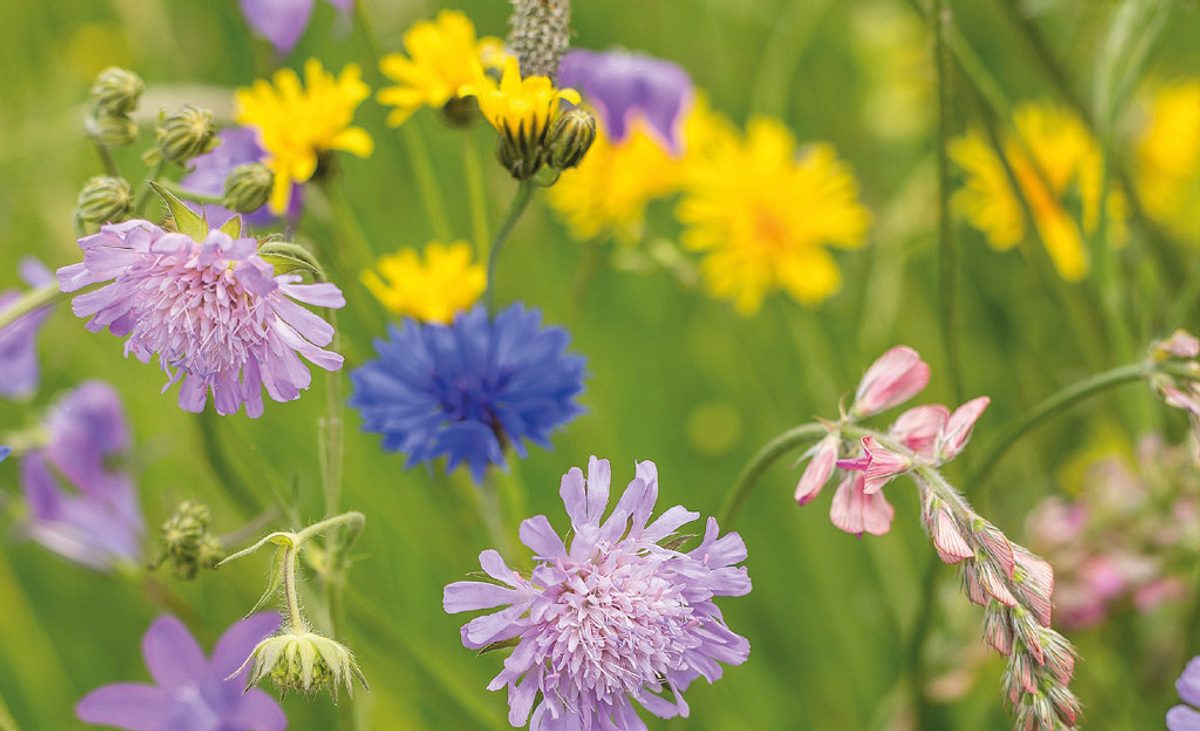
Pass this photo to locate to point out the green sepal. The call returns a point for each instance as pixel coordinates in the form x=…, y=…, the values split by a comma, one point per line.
x=187, y=222
x=287, y=257
x=279, y=538
x=233, y=227
x=274, y=582
x=502, y=645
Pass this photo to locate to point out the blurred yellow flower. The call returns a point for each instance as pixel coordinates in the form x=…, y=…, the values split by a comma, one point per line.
x=1065, y=161
x=296, y=124
x=433, y=290
x=443, y=56
x=516, y=107
x=1168, y=159
x=763, y=216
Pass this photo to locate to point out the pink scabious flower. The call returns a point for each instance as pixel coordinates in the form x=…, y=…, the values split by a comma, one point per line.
x=894, y=378
x=620, y=615
x=214, y=311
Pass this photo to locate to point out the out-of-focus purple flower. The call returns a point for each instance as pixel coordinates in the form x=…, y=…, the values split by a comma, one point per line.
x=468, y=389
x=190, y=692
x=1186, y=717
x=18, y=341
x=239, y=146
x=613, y=618
x=624, y=86
x=214, y=310
x=282, y=22
x=4, y=452
x=99, y=523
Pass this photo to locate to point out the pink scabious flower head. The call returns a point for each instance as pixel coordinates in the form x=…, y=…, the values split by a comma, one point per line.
x=819, y=470
x=957, y=430
x=620, y=615
x=894, y=378
x=214, y=312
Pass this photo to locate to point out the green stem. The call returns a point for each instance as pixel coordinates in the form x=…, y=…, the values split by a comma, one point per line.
x=144, y=194
x=291, y=594
x=939, y=19
x=775, y=449
x=1051, y=407
x=477, y=192
x=106, y=159
x=33, y=300
x=519, y=203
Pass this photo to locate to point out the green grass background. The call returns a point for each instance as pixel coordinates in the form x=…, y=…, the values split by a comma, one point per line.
x=674, y=376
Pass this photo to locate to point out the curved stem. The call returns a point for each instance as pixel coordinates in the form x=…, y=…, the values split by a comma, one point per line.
x=947, y=245
x=519, y=203
x=106, y=159
x=33, y=300
x=771, y=452
x=291, y=593
x=1052, y=406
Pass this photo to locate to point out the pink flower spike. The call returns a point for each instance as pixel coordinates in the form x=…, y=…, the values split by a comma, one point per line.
x=958, y=428
x=919, y=427
x=855, y=511
x=819, y=469
x=1181, y=344
x=884, y=465
x=894, y=378
x=1036, y=578
x=948, y=540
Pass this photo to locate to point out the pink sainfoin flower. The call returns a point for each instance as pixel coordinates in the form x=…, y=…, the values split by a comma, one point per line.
x=857, y=511
x=819, y=470
x=620, y=615
x=897, y=376
x=214, y=312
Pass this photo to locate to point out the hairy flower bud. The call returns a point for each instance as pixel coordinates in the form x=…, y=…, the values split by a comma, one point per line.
x=185, y=543
x=248, y=187
x=111, y=130
x=185, y=134
x=570, y=138
x=104, y=199
x=540, y=35
x=303, y=662
x=521, y=154
x=116, y=91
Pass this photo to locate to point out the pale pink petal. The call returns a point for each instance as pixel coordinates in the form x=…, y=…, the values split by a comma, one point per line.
x=898, y=375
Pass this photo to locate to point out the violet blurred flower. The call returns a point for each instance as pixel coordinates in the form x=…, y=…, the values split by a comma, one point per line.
x=624, y=86
x=1186, y=717
x=99, y=524
x=282, y=22
x=18, y=341
x=616, y=617
x=190, y=692
x=239, y=145
x=214, y=311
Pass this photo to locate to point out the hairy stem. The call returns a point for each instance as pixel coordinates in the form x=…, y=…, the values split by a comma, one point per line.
x=750, y=475
x=519, y=203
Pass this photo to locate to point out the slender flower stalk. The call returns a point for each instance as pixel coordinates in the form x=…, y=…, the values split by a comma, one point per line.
x=33, y=300
x=752, y=473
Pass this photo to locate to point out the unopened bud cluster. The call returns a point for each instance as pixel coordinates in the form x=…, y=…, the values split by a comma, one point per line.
x=185, y=541
x=115, y=96
x=186, y=133
x=540, y=35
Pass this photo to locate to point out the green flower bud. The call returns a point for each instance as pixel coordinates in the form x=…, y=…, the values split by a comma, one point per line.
x=104, y=200
x=303, y=662
x=571, y=137
x=185, y=134
x=112, y=130
x=248, y=187
x=117, y=91
x=185, y=543
x=520, y=152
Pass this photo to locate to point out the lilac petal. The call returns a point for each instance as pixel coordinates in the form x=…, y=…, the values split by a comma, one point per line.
x=574, y=496
x=318, y=295
x=668, y=523
x=468, y=596
x=257, y=711
x=34, y=272
x=599, y=477
x=1188, y=684
x=131, y=706
x=281, y=22
x=1183, y=718
x=539, y=536
x=236, y=644
x=172, y=655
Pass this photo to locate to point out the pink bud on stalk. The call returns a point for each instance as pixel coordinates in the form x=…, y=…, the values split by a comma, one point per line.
x=894, y=378
x=819, y=469
x=957, y=430
x=918, y=428
x=1181, y=344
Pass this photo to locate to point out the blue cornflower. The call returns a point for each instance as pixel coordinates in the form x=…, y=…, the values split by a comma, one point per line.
x=468, y=389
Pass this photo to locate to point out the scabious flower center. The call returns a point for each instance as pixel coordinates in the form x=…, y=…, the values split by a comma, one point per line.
x=614, y=626
x=197, y=315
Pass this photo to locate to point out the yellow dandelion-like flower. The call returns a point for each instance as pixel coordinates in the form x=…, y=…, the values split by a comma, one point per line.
x=1168, y=159
x=433, y=290
x=764, y=216
x=1066, y=162
x=443, y=56
x=296, y=123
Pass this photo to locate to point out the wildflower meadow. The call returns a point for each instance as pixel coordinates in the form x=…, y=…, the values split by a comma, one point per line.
x=600, y=365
